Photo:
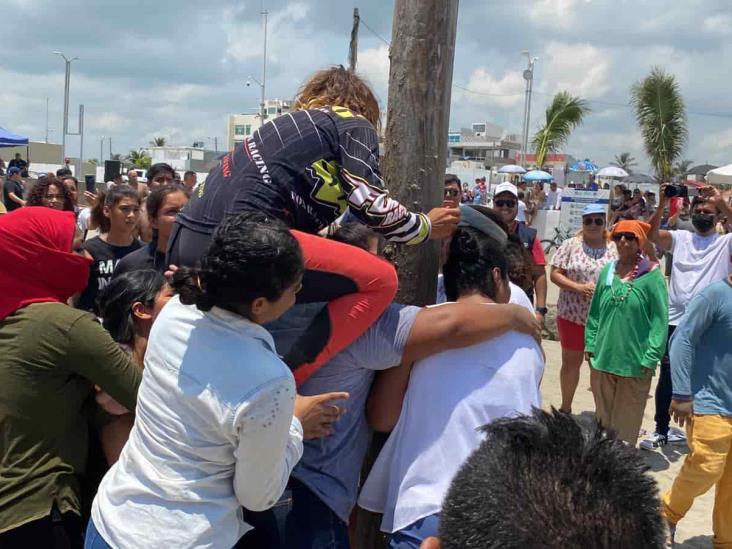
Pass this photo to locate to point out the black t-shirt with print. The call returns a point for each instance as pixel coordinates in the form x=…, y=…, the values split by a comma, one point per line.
x=105, y=257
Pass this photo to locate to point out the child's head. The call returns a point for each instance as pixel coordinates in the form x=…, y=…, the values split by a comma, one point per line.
x=129, y=304
x=118, y=208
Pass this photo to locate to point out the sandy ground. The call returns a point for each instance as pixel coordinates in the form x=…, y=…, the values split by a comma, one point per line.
x=696, y=528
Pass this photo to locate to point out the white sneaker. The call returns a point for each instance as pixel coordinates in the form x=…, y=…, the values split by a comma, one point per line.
x=654, y=441
x=676, y=435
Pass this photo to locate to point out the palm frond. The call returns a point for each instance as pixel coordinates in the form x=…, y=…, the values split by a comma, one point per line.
x=624, y=160
x=661, y=116
x=563, y=114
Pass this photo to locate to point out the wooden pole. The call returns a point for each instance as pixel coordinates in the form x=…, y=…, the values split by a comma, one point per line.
x=420, y=81
x=353, y=48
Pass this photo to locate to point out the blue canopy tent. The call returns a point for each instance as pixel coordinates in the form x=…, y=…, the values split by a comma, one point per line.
x=9, y=139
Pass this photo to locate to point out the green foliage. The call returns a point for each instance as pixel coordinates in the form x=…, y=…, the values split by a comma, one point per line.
x=139, y=159
x=625, y=161
x=564, y=114
x=661, y=116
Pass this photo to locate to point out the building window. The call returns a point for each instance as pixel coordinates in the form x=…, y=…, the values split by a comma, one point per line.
x=245, y=129
x=272, y=110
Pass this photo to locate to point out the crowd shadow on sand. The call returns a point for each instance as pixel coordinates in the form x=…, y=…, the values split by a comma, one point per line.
x=697, y=542
x=662, y=458
x=657, y=460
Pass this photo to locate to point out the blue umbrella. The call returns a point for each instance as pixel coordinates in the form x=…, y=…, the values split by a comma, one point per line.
x=585, y=165
x=537, y=175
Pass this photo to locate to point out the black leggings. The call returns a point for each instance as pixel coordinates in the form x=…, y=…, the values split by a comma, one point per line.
x=664, y=391
x=357, y=287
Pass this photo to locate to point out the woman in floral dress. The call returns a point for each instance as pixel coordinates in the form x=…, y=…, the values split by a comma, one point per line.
x=575, y=268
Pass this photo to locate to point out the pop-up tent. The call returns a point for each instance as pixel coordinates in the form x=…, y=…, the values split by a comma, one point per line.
x=8, y=139
x=720, y=176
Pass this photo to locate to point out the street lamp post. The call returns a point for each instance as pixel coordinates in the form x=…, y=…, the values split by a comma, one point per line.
x=262, y=85
x=529, y=77
x=67, y=79
x=216, y=142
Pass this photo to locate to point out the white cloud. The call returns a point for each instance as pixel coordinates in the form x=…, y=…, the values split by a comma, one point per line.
x=717, y=24
x=373, y=64
x=504, y=91
x=718, y=142
x=580, y=69
x=554, y=13
x=108, y=121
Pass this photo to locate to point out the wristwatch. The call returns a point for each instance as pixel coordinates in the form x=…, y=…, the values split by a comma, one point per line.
x=542, y=310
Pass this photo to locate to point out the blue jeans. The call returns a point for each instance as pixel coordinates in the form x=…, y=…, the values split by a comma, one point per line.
x=413, y=535
x=299, y=520
x=93, y=539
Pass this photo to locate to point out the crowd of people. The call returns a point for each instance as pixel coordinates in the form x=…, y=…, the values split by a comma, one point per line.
x=190, y=369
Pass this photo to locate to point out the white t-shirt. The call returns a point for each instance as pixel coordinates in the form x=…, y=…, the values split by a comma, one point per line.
x=554, y=199
x=521, y=215
x=698, y=261
x=450, y=396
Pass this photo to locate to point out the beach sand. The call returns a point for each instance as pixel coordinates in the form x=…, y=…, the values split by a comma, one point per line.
x=695, y=530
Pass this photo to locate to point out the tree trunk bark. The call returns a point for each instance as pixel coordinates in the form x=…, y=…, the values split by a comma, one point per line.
x=420, y=82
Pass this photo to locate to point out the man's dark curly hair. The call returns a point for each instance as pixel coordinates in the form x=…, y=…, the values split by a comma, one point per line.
x=250, y=256
x=39, y=190
x=549, y=481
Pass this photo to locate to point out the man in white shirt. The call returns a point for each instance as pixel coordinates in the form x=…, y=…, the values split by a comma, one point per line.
x=449, y=397
x=521, y=215
x=699, y=259
x=553, y=197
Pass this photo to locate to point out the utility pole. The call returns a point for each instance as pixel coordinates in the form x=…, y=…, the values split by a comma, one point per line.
x=67, y=80
x=110, y=147
x=529, y=77
x=101, y=151
x=46, y=119
x=353, y=48
x=420, y=80
x=264, y=66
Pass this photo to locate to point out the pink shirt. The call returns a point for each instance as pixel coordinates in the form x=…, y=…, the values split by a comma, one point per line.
x=581, y=264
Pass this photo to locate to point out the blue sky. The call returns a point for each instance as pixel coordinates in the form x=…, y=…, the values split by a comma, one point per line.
x=176, y=69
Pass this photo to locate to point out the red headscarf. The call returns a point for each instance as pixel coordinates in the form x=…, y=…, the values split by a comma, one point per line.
x=638, y=228
x=37, y=264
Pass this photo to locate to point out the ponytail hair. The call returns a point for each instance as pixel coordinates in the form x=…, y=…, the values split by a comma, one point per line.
x=250, y=256
x=473, y=255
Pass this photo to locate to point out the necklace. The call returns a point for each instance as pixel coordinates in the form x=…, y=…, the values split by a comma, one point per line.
x=594, y=253
x=626, y=287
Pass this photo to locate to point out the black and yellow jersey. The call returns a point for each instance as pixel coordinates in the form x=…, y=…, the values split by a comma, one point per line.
x=305, y=168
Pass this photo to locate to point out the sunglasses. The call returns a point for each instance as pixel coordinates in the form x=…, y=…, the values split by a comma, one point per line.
x=599, y=221
x=506, y=203
x=452, y=192
x=630, y=237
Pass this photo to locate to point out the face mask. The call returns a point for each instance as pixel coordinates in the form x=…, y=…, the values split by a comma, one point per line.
x=703, y=222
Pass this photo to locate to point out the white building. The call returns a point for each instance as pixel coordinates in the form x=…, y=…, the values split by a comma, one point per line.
x=242, y=125
x=484, y=142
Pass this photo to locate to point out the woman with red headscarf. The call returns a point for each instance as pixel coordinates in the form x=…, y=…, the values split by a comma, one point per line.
x=51, y=356
x=626, y=330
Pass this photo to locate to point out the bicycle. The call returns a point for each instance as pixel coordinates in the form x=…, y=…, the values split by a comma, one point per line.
x=559, y=237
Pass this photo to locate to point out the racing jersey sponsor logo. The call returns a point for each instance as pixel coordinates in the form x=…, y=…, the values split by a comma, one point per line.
x=256, y=157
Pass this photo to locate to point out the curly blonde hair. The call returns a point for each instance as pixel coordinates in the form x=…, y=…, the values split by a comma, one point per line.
x=338, y=86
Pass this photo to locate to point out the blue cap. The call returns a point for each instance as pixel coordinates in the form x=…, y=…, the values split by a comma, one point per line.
x=594, y=209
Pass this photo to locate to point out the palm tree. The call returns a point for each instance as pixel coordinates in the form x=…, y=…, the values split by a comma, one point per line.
x=158, y=142
x=661, y=116
x=625, y=160
x=139, y=159
x=681, y=167
x=563, y=115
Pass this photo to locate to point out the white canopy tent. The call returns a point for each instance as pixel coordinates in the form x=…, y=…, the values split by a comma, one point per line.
x=720, y=176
